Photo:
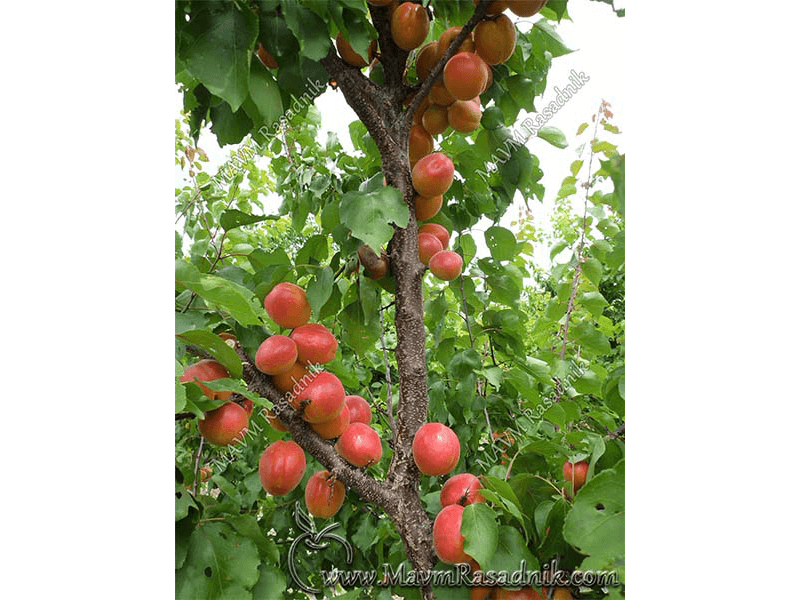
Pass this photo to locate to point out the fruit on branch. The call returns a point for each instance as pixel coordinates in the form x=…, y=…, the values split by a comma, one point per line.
x=359, y=409
x=350, y=56
x=434, y=119
x=420, y=143
x=324, y=495
x=276, y=354
x=281, y=467
x=266, y=58
x=495, y=40
x=448, y=543
x=432, y=175
x=496, y=7
x=489, y=76
x=286, y=381
x=576, y=473
x=332, y=429
x=468, y=45
x=315, y=344
x=224, y=425
x=436, y=449
x=275, y=422
x=429, y=245
x=205, y=473
x=286, y=304
x=438, y=230
x=465, y=76
x=247, y=405
x=410, y=25
x=464, y=115
x=426, y=60
x=417, y=118
x=325, y=396
x=446, y=265
x=360, y=445
x=461, y=489
x=427, y=208
x=526, y=8
x=207, y=370
x=375, y=267
x=441, y=95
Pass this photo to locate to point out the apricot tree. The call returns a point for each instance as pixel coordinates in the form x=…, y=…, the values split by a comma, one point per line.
x=316, y=335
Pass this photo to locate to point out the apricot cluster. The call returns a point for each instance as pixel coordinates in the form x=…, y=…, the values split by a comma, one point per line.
x=294, y=363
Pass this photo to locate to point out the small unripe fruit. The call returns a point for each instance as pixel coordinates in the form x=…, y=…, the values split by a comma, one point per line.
x=576, y=473
x=434, y=119
x=276, y=354
x=332, y=429
x=464, y=115
x=225, y=425
x=281, y=467
x=350, y=56
x=446, y=265
x=436, y=449
x=287, y=305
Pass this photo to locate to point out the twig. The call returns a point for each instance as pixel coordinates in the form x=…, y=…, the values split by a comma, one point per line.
x=197, y=465
x=466, y=312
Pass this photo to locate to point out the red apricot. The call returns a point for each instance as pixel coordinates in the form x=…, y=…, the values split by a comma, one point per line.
x=464, y=115
x=315, y=344
x=432, y=175
x=576, y=473
x=276, y=354
x=438, y=230
x=281, y=467
x=434, y=119
x=207, y=370
x=427, y=208
x=461, y=489
x=420, y=143
x=496, y=7
x=287, y=305
x=324, y=496
x=436, y=449
x=448, y=543
x=446, y=265
x=429, y=245
x=495, y=40
x=409, y=25
x=224, y=425
x=329, y=430
x=350, y=56
x=464, y=76
x=325, y=395
x=286, y=381
x=359, y=409
x=360, y=445
x=441, y=95
x=426, y=60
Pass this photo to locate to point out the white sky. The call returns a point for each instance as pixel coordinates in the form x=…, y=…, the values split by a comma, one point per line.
x=596, y=35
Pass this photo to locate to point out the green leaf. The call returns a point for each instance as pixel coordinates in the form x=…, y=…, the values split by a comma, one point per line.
x=271, y=582
x=509, y=552
x=594, y=302
x=557, y=248
x=596, y=524
x=235, y=299
x=501, y=243
x=554, y=136
x=593, y=269
x=319, y=289
x=464, y=363
x=265, y=94
x=232, y=218
x=217, y=46
x=309, y=29
x=590, y=338
x=215, y=346
x=230, y=127
x=479, y=529
x=220, y=563
x=369, y=214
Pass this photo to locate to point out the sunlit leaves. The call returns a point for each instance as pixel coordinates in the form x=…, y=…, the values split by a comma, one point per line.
x=369, y=215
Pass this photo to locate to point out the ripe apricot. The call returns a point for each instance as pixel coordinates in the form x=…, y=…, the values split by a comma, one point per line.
x=315, y=344
x=286, y=381
x=224, y=425
x=438, y=230
x=464, y=76
x=426, y=60
x=325, y=395
x=286, y=304
x=207, y=370
x=496, y=7
x=441, y=95
x=276, y=354
x=324, y=496
x=274, y=421
x=281, y=467
x=434, y=119
x=329, y=430
x=420, y=143
x=350, y=56
x=526, y=8
x=464, y=115
x=410, y=25
x=495, y=40
x=489, y=77
x=359, y=409
x=417, y=119
x=468, y=45
x=429, y=245
x=426, y=208
x=446, y=265
x=432, y=175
